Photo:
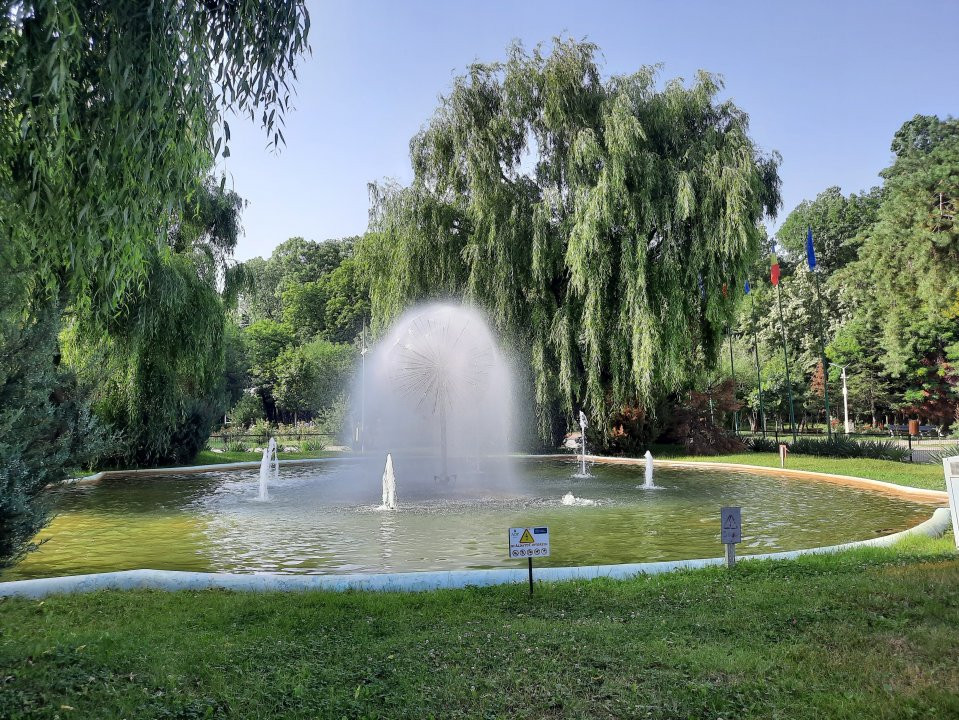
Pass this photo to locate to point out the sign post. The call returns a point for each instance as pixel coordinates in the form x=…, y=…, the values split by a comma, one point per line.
x=731, y=523
x=529, y=542
x=950, y=466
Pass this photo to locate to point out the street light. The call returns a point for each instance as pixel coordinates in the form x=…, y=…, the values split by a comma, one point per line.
x=845, y=399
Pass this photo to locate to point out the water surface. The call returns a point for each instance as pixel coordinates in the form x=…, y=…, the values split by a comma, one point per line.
x=324, y=519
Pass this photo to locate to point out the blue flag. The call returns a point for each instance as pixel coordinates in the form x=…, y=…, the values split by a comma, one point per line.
x=746, y=287
x=810, y=250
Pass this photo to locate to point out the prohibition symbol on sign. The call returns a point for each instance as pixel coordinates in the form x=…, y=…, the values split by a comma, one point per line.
x=527, y=539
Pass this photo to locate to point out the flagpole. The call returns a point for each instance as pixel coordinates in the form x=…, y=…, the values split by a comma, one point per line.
x=811, y=259
x=759, y=377
x=822, y=353
x=789, y=384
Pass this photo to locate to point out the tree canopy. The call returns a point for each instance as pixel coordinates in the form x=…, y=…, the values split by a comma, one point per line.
x=890, y=293
x=596, y=220
x=110, y=109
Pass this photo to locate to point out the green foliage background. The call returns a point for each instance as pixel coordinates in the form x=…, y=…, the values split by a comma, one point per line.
x=595, y=221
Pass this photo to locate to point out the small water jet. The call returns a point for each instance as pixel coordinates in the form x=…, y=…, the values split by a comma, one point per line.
x=269, y=469
x=389, y=485
x=583, y=472
x=649, y=484
x=570, y=499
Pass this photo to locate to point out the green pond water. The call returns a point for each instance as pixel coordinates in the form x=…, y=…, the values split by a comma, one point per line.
x=324, y=518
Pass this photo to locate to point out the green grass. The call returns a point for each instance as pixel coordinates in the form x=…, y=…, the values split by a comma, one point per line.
x=208, y=457
x=927, y=476
x=865, y=634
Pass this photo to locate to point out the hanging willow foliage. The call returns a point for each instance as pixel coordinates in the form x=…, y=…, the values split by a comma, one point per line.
x=109, y=109
x=596, y=221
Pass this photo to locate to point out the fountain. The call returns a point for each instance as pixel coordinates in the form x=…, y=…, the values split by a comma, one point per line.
x=389, y=485
x=649, y=484
x=439, y=392
x=269, y=469
x=583, y=472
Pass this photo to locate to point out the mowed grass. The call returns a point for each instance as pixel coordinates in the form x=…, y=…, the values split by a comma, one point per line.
x=208, y=457
x=871, y=633
x=927, y=476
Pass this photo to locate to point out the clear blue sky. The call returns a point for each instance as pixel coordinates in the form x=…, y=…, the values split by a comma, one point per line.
x=825, y=83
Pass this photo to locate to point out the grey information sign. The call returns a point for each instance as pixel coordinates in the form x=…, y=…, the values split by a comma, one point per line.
x=732, y=525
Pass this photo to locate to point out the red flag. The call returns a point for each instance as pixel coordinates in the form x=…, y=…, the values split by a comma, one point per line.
x=774, y=271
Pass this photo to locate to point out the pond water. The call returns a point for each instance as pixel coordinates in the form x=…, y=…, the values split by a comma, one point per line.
x=324, y=518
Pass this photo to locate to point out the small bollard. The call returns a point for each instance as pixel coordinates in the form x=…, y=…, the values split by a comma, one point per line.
x=783, y=451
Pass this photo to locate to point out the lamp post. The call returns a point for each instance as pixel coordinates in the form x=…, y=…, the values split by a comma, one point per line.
x=845, y=399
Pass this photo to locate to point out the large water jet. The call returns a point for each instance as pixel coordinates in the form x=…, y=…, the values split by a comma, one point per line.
x=438, y=390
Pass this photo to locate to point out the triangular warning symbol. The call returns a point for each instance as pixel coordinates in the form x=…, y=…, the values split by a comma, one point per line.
x=730, y=522
x=527, y=539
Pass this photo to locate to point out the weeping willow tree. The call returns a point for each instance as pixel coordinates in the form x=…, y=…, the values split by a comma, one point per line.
x=109, y=109
x=597, y=221
x=156, y=365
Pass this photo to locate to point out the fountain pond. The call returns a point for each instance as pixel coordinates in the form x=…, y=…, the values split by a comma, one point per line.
x=329, y=518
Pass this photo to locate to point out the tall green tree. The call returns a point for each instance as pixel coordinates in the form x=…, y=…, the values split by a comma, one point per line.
x=585, y=215
x=46, y=425
x=836, y=220
x=909, y=256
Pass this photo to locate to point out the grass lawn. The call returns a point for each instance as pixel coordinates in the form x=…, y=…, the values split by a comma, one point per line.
x=871, y=633
x=915, y=474
x=208, y=457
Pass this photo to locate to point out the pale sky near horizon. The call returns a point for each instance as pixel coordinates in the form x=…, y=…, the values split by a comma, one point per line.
x=826, y=84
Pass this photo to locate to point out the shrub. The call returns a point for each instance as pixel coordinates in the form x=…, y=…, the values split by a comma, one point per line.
x=313, y=444
x=843, y=447
x=761, y=444
x=260, y=432
x=943, y=453
x=248, y=409
x=234, y=445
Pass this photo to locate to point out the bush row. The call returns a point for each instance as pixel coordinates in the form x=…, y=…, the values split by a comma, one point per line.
x=838, y=447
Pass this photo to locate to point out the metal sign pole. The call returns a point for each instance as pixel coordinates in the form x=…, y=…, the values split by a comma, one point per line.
x=530, y=576
x=730, y=554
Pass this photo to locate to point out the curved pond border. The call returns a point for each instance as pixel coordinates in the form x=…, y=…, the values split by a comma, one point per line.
x=412, y=581
x=436, y=580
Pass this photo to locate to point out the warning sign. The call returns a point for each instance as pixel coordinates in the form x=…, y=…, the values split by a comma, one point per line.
x=732, y=525
x=528, y=542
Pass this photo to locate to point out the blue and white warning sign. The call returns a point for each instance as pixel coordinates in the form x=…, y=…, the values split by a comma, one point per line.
x=528, y=542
